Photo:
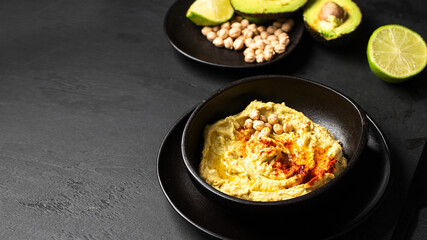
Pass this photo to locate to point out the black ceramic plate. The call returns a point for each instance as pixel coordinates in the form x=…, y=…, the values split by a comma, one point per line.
x=347, y=210
x=186, y=37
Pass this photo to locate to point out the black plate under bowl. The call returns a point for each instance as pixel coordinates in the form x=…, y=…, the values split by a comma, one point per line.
x=186, y=37
x=342, y=213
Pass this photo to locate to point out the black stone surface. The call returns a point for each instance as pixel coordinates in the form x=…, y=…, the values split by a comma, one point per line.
x=89, y=89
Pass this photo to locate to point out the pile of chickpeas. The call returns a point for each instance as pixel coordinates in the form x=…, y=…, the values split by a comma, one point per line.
x=265, y=125
x=260, y=43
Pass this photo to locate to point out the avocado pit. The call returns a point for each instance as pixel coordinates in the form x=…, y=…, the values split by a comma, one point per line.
x=332, y=10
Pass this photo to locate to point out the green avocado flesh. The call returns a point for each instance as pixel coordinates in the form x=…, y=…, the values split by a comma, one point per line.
x=266, y=8
x=333, y=27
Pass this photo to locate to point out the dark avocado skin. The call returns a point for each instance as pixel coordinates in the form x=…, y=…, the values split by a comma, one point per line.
x=264, y=16
x=267, y=21
x=341, y=40
x=258, y=20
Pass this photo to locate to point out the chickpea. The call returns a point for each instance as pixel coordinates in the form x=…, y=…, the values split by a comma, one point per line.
x=247, y=33
x=272, y=38
x=280, y=48
x=260, y=44
x=277, y=24
x=245, y=23
x=238, y=18
x=252, y=27
x=285, y=41
x=206, y=30
x=258, y=125
x=228, y=43
x=273, y=119
x=266, y=42
x=282, y=35
x=278, y=32
x=263, y=118
x=248, y=50
x=238, y=44
x=264, y=35
x=277, y=128
x=225, y=25
x=211, y=36
x=234, y=32
x=223, y=33
x=274, y=43
x=271, y=29
x=261, y=29
x=268, y=55
x=257, y=38
x=268, y=125
x=254, y=115
x=248, y=41
x=269, y=48
x=258, y=51
x=260, y=58
x=249, y=123
x=218, y=42
x=215, y=28
x=287, y=127
x=284, y=38
x=265, y=132
x=287, y=25
x=253, y=45
x=236, y=25
x=250, y=58
x=242, y=38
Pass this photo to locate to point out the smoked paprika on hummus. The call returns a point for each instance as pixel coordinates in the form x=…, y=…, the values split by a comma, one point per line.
x=241, y=162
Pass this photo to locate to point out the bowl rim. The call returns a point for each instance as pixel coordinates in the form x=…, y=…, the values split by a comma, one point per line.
x=357, y=154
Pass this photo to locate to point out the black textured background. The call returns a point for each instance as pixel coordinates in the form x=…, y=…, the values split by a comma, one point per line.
x=89, y=89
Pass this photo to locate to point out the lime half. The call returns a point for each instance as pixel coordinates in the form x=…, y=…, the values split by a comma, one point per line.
x=210, y=12
x=396, y=53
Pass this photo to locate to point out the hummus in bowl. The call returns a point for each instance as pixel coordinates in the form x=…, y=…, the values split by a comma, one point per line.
x=269, y=152
x=262, y=168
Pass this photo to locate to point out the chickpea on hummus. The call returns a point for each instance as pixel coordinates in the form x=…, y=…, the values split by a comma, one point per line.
x=269, y=152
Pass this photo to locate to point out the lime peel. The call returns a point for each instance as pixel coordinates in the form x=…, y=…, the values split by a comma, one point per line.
x=396, y=53
x=210, y=12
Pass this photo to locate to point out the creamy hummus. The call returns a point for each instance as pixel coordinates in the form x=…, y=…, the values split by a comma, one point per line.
x=262, y=165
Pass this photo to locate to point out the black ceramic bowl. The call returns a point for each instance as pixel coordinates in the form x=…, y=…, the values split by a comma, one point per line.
x=323, y=105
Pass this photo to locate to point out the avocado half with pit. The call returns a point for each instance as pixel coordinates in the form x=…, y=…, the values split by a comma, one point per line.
x=266, y=9
x=332, y=22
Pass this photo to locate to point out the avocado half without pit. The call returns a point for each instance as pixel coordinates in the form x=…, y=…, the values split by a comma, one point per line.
x=266, y=10
x=332, y=22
